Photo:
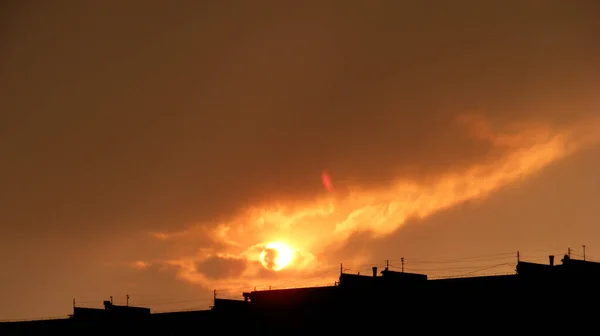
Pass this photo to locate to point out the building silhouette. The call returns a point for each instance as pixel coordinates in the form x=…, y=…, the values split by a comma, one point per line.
x=538, y=298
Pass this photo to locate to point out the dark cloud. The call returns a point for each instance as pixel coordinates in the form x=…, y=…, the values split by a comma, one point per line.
x=221, y=267
x=267, y=274
x=270, y=257
x=170, y=124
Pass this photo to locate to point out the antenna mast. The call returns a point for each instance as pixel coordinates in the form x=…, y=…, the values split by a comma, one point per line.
x=402, y=259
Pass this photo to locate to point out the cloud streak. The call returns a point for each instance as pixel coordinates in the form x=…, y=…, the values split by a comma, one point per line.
x=326, y=224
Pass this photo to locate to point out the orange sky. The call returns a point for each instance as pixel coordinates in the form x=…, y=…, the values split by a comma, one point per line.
x=153, y=151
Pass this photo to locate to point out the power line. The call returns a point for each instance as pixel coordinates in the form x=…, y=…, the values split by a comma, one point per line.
x=438, y=264
x=506, y=254
x=174, y=302
x=456, y=261
x=485, y=269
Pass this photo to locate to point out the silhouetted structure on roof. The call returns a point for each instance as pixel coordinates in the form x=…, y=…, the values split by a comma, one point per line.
x=110, y=311
x=370, y=302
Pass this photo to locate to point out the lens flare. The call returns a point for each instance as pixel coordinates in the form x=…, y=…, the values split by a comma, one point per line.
x=327, y=181
x=276, y=256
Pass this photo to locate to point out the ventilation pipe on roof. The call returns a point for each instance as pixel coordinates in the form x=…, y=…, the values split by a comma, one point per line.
x=551, y=260
x=374, y=271
x=107, y=305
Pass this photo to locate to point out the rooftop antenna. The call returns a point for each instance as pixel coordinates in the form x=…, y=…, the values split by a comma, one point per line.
x=341, y=269
x=569, y=252
x=583, y=252
x=402, y=259
x=127, y=300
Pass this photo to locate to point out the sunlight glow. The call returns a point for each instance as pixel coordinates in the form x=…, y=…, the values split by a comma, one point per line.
x=276, y=256
x=321, y=227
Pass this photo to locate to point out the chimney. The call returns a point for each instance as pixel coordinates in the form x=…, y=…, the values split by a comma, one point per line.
x=551, y=260
x=374, y=271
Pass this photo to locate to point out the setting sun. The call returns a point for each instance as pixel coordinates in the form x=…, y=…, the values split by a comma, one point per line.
x=276, y=256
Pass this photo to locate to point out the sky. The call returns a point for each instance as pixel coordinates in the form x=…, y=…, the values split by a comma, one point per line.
x=153, y=149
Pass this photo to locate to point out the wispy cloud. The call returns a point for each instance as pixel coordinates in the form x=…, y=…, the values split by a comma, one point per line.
x=314, y=229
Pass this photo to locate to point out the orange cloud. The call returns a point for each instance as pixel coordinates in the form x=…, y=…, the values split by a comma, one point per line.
x=328, y=222
x=141, y=264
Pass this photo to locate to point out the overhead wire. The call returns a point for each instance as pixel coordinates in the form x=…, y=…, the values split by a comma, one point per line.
x=466, y=265
x=463, y=265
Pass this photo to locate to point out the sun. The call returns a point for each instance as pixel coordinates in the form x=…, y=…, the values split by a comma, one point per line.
x=276, y=256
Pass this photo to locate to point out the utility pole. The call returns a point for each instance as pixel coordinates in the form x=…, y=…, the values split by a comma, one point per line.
x=73, y=303
x=569, y=252
x=518, y=256
x=387, y=265
x=583, y=252
x=127, y=300
x=341, y=269
x=111, y=302
x=402, y=259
